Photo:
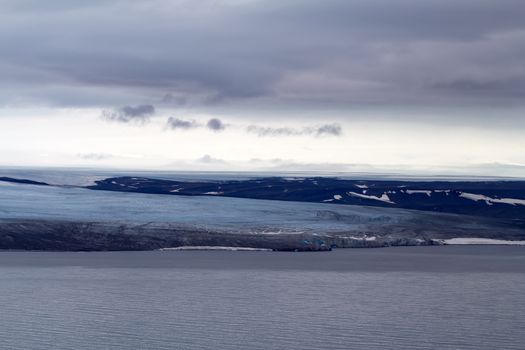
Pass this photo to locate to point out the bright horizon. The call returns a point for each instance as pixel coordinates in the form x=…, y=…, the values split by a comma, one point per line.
x=258, y=85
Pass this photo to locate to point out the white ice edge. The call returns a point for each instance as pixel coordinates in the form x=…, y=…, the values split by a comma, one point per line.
x=363, y=238
x=427, y=192
x=490, y=200
x=384, y=197
x=481, y=241
x=215, y=248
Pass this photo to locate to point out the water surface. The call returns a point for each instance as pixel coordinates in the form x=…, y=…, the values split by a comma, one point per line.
x=390, y=298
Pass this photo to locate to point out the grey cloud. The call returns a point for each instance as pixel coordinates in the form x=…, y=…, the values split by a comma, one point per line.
x=267, y=131
x=321, y=130
x=173, y=99
x=511, y=87
x=329, y=129
x=215, y=124
x=376, y=52
x=51, y=6
x=127, y=114
x=176, y=123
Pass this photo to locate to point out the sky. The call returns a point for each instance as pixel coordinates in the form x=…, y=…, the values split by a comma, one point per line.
x=354, y=85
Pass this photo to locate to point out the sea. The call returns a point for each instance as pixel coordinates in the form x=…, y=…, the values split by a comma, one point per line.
x=441, y=297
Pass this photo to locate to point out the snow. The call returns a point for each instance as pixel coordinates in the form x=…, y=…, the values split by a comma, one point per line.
x=447, y=192
x=337, y=197
x=481, y=241
x=216, y=248
x=490, y=201
x=512, y=201
x=427, y=192
x=475, y=197
x=363, y=238
x=278, y=232
x=384, y=197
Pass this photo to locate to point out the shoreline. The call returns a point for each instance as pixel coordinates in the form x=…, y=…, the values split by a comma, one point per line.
x=450, y=259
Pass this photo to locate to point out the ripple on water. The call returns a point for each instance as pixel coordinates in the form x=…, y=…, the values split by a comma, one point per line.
x=65, y=307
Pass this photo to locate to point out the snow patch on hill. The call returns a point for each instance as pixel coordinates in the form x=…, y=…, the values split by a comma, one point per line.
x=427, y=192
x=491, y=201
x=384, y=197
x=216, y=248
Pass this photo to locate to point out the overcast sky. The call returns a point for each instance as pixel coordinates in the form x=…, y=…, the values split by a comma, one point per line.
x=434, y=85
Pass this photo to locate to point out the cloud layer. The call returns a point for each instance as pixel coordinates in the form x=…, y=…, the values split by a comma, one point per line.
x=352, y=81
x=298, y=53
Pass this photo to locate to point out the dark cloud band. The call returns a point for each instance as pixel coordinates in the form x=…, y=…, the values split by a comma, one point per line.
x=378, y=52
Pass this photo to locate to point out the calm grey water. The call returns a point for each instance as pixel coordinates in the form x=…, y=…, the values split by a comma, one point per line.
x=392, y=298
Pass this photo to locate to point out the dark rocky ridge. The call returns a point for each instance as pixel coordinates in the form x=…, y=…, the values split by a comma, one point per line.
x=22, y=181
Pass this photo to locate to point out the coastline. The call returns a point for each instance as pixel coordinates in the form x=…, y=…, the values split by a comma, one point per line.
x=52, y=235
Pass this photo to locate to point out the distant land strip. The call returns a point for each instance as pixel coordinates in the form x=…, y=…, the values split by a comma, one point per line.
x=497, y=199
